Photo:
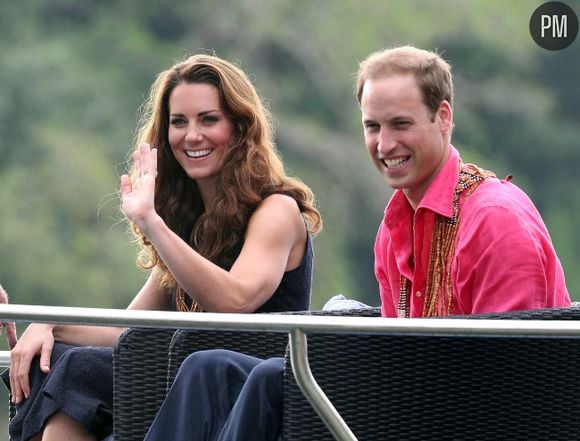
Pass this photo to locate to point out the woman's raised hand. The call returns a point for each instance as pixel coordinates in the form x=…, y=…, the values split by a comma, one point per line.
x=138, y=197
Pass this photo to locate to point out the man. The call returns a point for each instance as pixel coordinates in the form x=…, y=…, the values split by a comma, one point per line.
x=9, y=326
x=454, y=240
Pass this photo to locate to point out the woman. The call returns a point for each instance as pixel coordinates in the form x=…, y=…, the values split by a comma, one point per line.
x=221, y=228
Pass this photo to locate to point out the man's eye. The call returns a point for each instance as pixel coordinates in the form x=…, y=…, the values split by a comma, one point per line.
x=401, y=124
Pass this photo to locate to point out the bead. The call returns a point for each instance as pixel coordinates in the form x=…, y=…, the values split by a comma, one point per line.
x=439, y=288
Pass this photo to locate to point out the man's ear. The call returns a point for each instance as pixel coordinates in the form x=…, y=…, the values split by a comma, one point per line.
x=445, y=117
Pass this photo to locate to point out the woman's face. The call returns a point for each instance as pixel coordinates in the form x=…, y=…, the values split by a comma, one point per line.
x=200, y=132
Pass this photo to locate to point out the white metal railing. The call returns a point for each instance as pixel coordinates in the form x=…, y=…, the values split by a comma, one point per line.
x=4, y=358
x=297, y=326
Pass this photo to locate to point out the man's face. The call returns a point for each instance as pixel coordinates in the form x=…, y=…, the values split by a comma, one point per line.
x=407, y=143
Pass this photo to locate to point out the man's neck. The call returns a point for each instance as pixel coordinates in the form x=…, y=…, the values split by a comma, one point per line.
x=416, y=195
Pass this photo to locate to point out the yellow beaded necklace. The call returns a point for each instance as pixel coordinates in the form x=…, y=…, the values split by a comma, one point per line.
x=439, y=289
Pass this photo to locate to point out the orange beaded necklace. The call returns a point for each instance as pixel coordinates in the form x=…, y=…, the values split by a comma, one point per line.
x=181, y=304
x=439, y=289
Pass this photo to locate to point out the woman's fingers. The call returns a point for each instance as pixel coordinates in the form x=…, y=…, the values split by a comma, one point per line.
x=19, y=370
x=37, y=339
x=126, y=185
x=146, y=163
x=153, y=163
x=45, y=353
x=137, y=163
x=138, y=193
x=23, y=376
x=144, y=150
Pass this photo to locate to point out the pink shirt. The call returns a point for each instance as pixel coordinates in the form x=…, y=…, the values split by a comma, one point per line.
x=504, y=258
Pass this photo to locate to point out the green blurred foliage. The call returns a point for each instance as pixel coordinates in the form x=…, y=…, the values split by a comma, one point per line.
x=73, y=75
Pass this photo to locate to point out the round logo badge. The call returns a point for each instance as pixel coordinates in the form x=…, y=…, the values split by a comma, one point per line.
x=554, y=26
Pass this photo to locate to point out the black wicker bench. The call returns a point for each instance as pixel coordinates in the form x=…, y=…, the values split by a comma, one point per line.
x=460, y=387
x=385, y=386
x=146, y=361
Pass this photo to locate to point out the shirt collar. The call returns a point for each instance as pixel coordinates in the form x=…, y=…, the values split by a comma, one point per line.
x=439, y=195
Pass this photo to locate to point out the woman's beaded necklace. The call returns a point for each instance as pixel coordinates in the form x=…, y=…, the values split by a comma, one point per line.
x=181, y=304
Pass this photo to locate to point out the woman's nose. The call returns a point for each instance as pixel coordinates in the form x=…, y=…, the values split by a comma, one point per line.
x=193, y=135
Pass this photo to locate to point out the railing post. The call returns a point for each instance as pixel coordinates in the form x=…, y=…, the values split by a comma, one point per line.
x=4, y=358
x=310, y=388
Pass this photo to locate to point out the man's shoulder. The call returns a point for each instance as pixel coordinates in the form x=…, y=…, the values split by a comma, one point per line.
x=493, y=192
x=498, y=201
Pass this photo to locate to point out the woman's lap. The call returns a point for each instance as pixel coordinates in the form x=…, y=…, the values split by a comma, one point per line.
x=80, y=383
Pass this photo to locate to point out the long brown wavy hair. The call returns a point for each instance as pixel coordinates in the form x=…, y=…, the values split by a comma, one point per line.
x=252, y=168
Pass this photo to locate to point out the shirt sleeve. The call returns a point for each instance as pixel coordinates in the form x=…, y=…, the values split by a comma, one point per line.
x=501, y=261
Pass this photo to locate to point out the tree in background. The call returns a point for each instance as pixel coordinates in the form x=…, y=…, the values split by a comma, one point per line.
x=73, y=74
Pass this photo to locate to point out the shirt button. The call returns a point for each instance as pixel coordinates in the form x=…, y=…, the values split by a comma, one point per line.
x=419, y=294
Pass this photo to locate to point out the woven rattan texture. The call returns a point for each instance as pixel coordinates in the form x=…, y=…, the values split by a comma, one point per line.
x=371, y=311
x=257, y=344
x=442, y=388
x=422, y=387
x=571, y=312
x=140, y=361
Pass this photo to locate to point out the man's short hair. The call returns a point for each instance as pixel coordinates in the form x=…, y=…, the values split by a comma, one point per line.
x=433, y=74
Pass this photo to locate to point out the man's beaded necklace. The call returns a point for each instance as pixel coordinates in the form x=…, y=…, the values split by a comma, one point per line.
x=439, y=289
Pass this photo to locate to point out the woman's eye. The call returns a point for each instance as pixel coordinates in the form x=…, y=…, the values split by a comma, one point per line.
x=177, y=121
x=209, y=119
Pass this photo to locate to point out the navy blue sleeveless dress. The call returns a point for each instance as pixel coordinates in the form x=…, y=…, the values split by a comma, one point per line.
x=80, y=382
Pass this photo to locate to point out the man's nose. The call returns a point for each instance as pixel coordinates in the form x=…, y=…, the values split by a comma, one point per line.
x=387, y=142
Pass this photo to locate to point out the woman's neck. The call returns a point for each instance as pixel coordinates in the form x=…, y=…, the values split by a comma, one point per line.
x=207, y=190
